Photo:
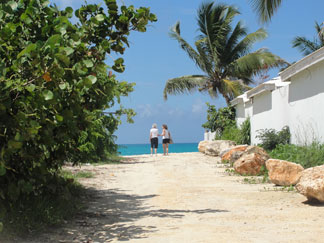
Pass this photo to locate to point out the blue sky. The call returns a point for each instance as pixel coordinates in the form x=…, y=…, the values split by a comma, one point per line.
x=154, y=57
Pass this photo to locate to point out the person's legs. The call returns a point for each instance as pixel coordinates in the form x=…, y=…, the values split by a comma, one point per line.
x=151, y=151
x=163, y=148
x=167, y=149
x=155, y=151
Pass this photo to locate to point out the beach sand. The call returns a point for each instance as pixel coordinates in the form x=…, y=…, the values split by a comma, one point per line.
x=185, y=197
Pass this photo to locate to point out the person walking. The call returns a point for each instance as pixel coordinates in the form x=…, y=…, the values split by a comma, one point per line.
x=165, y=139
x=154, y=133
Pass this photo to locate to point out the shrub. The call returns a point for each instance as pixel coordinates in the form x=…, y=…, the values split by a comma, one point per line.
x=238, y=135
x=232, y=133
x=307, y=156
x=55, y=88
x=218, y=120
x=270, y=138
x=245, y=131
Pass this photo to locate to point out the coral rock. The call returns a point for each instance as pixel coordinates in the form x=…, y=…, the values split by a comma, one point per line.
x=283, y=173
x=202, y=146
x=233, y=154
x=249, y=164
x=215, y=147
x=311, y=183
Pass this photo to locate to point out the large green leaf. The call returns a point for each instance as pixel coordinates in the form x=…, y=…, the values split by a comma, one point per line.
x=48, y=95
x=63, y=58
x=13, y=5
x=27, y=50
x=100, y=17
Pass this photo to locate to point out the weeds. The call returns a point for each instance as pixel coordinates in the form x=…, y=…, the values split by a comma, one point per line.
x=307, y=156
x=290, y=188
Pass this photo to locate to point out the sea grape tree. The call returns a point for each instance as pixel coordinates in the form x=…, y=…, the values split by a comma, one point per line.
x=55, y=84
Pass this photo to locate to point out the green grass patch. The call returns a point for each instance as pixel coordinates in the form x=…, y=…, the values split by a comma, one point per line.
x=113, y=159
x=307, y=156
x=80, y=174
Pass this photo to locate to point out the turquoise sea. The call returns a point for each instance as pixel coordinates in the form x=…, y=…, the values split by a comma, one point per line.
x=136, y=149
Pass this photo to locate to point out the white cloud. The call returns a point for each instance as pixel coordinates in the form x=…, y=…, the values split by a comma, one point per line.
x=198, y=107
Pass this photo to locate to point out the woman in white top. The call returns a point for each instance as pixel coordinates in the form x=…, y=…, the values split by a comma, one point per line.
x=154, y=133
x=165, y=139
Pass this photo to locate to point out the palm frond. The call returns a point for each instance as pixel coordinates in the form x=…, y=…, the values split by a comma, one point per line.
x=234, y=88
x=245, y=45
x=184, y=84
x=265, y=8
x=253, y=63
x=175, y=34
x=304, y=45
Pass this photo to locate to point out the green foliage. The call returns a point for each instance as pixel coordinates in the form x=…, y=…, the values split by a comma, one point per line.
x=270, y=138
x=307, y=156
x=232, y=133
x=35, y=212
x=218, y=120
x=223, y=122
x=54, y=89
x=245, y=131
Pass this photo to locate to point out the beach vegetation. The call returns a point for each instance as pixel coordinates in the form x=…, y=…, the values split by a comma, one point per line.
x=59, y=96
x=270, y=138
x=223, y=52
x=219, y=119
x=307, y=155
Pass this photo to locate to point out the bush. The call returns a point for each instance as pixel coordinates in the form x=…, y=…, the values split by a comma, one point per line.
x=270, y=138
x=218, y=120
x=238, y=135
x=232, y=133
x=55, y=89
x=307, y=156
x=245, y=132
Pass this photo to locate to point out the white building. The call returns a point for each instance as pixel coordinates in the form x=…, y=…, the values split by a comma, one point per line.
x=294, y=99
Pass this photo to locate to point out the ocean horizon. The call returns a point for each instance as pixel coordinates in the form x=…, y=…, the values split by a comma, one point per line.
x=137, y=149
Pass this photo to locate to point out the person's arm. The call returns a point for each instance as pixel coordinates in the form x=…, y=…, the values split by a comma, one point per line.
x=163, y=132
x=150, y=135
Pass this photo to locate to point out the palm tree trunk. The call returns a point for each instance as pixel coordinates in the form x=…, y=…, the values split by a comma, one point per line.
x=227, y=99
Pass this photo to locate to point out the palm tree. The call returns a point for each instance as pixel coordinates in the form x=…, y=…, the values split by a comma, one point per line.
x=307, y=46
x=265, y=8
x=222, y=53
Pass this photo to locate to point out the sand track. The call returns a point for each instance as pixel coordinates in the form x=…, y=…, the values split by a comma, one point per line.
x=185, y=198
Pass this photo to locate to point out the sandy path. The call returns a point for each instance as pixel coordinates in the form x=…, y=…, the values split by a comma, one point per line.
x=186, y=198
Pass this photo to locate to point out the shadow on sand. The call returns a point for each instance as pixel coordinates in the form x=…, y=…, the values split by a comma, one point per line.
x=111, y=215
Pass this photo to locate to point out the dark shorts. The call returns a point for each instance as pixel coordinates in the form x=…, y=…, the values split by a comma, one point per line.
x=154, y=142
x=166, y=140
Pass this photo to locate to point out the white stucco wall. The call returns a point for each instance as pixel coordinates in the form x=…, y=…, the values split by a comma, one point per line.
x=243, y=111
x=269, y=111
x=306, y=105
x=300, y=105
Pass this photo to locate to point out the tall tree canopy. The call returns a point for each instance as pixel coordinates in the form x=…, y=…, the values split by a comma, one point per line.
x=222, y=52
x=307, y=46
x=55, y=86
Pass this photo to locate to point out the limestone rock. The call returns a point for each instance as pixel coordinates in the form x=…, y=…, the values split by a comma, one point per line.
x=311, y=183
x=258, y=150
x=249, y=164
x=202, y=146
x=215, y=147
x=233, y=154
x=283, y=173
